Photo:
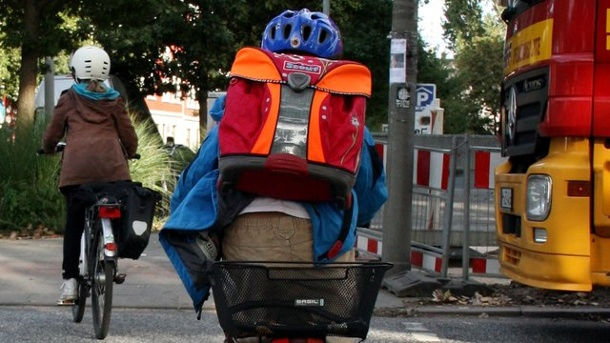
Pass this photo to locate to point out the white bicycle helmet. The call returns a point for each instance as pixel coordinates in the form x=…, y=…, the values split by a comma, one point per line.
x=90, y=62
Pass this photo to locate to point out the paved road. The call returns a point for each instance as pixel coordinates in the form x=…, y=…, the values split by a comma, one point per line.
x=47, y=324
x=30, y=274
x=152, y=304
x=136, y=325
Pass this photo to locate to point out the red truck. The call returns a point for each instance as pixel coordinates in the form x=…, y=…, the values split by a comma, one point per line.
x=553, y=193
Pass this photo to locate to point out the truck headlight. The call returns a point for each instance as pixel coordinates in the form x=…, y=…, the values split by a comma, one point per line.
x=538, y=197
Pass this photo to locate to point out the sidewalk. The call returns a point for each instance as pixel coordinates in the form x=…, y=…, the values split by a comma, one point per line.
x=30, y=275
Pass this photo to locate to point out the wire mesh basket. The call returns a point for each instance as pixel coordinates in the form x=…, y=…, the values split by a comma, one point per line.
x=294, y=299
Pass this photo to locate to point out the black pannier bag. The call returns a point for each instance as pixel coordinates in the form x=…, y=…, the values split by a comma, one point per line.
x=137, y=213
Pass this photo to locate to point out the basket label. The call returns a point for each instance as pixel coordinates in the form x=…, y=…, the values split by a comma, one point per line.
x=309, y=302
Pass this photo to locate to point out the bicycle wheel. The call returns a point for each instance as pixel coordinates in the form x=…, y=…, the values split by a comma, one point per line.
x=78, y=310
x=102, y=273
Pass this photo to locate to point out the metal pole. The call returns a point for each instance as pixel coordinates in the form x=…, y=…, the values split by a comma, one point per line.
x=326, y=7
x=397, y=228
x=466, y=219
x=446, y=234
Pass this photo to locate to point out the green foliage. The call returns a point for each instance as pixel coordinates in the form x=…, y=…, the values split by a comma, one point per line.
x=436, y=70
x=29, y=183
x=9, y=65
x=463, y=21
x=29, y=187
x=154, y=44
x=202, y=37
x=37, y=28
x=154, y=166
x=472, y=105
x=365, y=26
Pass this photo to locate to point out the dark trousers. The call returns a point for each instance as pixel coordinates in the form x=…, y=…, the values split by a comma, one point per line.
x=75, y=224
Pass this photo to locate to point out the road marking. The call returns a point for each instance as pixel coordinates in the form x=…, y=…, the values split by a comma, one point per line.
x=420, y=333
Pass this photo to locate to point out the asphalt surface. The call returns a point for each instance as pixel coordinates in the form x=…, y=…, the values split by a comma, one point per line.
x=30, y=275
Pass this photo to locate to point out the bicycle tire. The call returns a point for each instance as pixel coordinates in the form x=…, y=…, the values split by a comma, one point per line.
x=78, y=309
x=102, y=272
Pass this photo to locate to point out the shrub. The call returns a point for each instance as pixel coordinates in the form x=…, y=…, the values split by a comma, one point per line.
x=154, y=168
x=29, y=183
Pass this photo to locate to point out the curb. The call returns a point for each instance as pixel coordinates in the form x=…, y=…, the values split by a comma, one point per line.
x=505, y=311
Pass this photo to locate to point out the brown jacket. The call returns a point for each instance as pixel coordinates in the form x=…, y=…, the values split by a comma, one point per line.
x=99, y=137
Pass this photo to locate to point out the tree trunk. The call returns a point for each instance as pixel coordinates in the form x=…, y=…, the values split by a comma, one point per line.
x=30, y=52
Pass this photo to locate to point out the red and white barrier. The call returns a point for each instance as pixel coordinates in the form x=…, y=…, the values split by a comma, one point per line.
x=419, y=258
x=485, y=266
x=431, y=169
x=485, y=163
x=370, y=245
x=429, y=261
x=426, y=261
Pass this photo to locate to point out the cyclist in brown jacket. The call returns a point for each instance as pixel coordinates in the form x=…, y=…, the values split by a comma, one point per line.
x=99, y=138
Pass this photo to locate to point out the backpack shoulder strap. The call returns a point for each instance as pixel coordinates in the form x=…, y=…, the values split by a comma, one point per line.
x=334, y=250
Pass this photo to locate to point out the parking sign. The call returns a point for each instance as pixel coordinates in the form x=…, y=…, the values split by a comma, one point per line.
x=424, y=101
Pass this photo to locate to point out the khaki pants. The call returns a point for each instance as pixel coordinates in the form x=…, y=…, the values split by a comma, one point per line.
x=274, y=236
x=271, y=236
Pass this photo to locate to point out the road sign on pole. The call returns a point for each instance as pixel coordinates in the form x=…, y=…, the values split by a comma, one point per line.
x=425, y=94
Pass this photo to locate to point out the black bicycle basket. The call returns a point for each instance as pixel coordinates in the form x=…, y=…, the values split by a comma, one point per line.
x=294, y=299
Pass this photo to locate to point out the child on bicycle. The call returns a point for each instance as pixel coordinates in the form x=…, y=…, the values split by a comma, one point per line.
x=264, y=228
x=94, y=121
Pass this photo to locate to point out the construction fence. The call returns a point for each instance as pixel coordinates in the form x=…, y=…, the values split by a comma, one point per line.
x=453, y=215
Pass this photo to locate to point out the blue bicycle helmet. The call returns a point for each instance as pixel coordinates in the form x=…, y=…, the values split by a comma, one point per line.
x=311, y=33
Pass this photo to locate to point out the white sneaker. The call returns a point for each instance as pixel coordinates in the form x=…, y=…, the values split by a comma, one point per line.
x=69, y=292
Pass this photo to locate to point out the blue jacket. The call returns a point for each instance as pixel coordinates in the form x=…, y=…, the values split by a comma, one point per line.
x=194, y=206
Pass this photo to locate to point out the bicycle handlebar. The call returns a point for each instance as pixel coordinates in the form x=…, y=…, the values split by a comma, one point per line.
x=61, y=146
x=58, y=148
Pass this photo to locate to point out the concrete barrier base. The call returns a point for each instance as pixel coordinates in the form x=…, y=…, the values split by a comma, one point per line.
x=411, y=284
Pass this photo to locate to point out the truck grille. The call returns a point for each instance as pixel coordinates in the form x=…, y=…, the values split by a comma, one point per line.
x=510, y=256
x=525, y=97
